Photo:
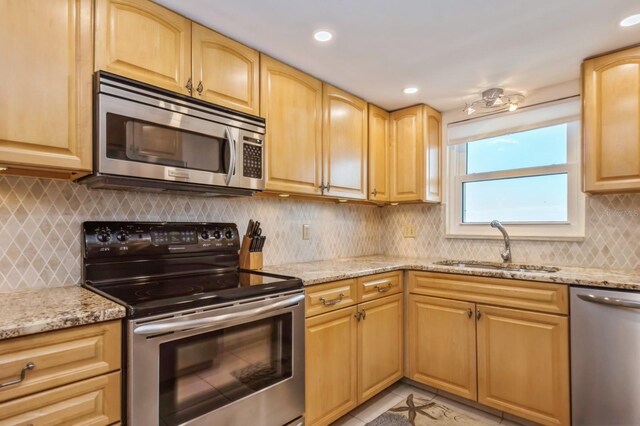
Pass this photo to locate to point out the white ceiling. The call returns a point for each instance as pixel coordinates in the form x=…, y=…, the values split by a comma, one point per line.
x=450, y=49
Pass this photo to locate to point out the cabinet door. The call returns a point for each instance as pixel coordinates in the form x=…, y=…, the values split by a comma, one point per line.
x=432, y=152
x=46, y=84
x=344, y=144
x=225, y=72
x=291, y=103
x=523, y=364
x=442, y=344
x=143, y=41
x=378, y=154
x=407, y=154
x=331, y=366
x=380, y=341
x=611, y=122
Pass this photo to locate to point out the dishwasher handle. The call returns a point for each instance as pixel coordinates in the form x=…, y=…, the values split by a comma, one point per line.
x=622, y=303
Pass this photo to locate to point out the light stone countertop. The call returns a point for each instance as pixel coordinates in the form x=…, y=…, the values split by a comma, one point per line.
x=38, y=310
x=338, y=269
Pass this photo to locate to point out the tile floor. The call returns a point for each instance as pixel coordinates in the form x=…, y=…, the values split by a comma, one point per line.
x=397, y=393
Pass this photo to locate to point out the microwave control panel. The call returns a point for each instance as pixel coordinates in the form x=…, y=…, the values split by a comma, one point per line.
x=252, y=161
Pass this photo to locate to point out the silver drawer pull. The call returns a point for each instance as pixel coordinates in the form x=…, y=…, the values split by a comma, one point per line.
x=23, y=374
x=326, y=302
x=383, y=289
x=624, y=303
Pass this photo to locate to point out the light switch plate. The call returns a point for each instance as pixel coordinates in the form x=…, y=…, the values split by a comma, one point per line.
x=408, y=231
x=306, y=231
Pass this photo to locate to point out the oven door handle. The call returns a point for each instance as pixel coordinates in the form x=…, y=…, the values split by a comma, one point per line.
x=232, y=156
x=187, y=325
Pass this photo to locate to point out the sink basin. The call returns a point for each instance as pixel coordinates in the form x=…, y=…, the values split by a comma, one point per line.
x=475, y=264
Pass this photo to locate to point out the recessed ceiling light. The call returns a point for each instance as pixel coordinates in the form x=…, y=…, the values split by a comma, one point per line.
x=410, y=90
x=322, y=36
x=630, y=21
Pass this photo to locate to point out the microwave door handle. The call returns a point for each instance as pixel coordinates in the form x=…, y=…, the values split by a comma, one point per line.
x=187, y=325
x=232, y=156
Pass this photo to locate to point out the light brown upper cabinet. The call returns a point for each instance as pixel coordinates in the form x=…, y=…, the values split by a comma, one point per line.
x=146, y=42
x=415, y=154
x=46, y=87
x=611, y=122
x=378, y=154
x=344, y=144
x=225, y=72
x=291, y=103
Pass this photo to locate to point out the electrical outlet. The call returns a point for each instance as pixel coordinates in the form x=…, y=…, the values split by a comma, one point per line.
x=408, y=231
x=306, y=231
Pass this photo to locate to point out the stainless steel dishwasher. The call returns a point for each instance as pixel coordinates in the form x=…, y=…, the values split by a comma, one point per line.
x=605, y=357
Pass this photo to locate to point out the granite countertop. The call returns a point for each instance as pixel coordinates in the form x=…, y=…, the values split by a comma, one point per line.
x=338, y=269
x=35, y=311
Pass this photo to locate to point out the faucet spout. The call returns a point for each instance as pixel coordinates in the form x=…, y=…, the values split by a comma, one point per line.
x=506, y=254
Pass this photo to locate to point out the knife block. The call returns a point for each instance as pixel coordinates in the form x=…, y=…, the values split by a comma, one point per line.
x=249, y=259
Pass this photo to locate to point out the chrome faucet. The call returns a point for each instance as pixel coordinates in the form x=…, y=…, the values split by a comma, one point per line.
x=506, y=254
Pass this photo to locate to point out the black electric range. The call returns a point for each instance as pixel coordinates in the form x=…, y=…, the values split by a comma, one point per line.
x=153, y=268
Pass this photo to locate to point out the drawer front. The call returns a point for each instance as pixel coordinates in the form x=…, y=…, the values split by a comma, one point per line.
x=373, y=287
x=530, y=295
x=330, y=296
x=59, y=357
x=93, y=401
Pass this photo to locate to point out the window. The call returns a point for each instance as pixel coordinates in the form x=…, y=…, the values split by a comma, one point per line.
x=526, y=176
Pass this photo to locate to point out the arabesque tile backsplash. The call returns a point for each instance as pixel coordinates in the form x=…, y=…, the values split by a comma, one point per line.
x=40, y=229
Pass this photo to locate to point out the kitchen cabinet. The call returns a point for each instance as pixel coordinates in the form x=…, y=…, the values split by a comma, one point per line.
x=344, y=144
x=74, y=376
x=176, y=54
x=415, y=155
x=46, y=86
x=291, y=103
x=378, y=154
x=611, y=122
x=144, y=41
x=225, y=72
x=354, y=348
x=522, y=355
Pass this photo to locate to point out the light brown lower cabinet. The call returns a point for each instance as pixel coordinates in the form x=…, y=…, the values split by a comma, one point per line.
x=354, y=351
x=74, y=377
x=522, y=356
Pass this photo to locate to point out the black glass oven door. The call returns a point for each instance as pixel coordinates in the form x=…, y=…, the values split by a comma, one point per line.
x=202, y=373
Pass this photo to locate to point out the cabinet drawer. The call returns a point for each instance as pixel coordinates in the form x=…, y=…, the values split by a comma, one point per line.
x=330, y=296
x=59, y=357
x=530, y=295
x=375, y=286
x=93, y=401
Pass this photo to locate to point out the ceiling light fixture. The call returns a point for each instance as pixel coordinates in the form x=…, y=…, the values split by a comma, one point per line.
x=630, y=21
x=494, y=100
x=410, y=90
x=322, y=36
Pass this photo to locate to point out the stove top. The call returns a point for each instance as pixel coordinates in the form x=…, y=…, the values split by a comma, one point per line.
x=151, y=275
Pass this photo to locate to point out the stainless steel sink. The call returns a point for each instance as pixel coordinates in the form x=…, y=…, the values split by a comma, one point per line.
x=475, y=264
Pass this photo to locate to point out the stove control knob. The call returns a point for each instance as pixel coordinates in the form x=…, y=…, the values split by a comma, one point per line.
x=228, y=234
x=103, y=237
x=217, y=234
x=122, y=236
x=205, y=235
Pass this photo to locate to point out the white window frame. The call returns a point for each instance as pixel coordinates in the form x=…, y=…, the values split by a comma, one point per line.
x=571, y=230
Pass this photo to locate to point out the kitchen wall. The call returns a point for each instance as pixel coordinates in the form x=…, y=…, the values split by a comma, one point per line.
x=612, y=237
x=40, y=222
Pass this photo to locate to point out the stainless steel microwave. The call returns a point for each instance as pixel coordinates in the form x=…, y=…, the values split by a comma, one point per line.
x=151, y=139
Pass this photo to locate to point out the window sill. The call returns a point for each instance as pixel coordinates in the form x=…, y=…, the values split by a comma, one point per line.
x=570, y=238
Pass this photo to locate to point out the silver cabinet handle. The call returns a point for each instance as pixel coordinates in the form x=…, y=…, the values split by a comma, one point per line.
x=478, y=314
x=200, y=88
x=186, y=325
x=470, y=312
x=328, y=187
x=189, y=86
x=232, y=156
x=358, y=315
x=23, y=375
x=383, y=289
x=364, y=314
x=326, y=302
x=623, y=303
x=374, y=192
